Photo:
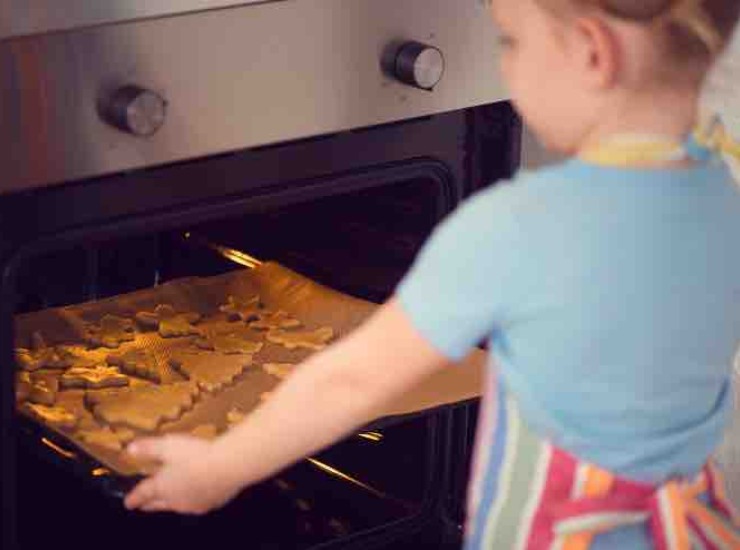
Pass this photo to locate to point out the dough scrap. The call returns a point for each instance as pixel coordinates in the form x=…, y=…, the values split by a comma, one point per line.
x=279, y=370
x=41, y=356
x=272, y=320
x=211, y=371
x=230, y=344
x=55, y=416
x=95, y=378
x=205, y=431
x=142, y=408
x=168, y=322
x=111, y=332
x=140, y=363
x=237, y=309
x=309, y=339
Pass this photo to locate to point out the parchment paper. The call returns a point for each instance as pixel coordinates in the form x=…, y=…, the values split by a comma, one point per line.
x=279, y=288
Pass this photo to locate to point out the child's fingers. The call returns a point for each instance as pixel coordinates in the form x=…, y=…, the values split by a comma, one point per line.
x=142, y=495
x=155, y=506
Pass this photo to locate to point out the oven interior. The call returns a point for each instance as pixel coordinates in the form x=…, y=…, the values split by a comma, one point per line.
x=354, y=229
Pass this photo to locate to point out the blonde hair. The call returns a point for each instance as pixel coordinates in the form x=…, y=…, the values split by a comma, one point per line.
x=694, y=30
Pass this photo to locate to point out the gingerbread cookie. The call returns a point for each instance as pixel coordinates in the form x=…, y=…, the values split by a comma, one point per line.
x=142, y=408
x=56, y=416
x=237, y=309
x=105, y=438
x=279, y=370
x=111, y=332
x=41, y=356
x=78, y=356
x=140, y=363
x=307, y=339
x=168, y=322
x=230, y=344
x=205, y=431
x=272, y=320
x=211, y=371
x=95, y=378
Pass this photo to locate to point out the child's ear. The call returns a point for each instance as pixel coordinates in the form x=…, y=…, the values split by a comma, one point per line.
x=598, y=52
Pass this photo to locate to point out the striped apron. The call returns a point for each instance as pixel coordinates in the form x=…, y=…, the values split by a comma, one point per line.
x=527, y=494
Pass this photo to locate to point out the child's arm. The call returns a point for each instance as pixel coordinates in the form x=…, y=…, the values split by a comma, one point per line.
x=330, y=395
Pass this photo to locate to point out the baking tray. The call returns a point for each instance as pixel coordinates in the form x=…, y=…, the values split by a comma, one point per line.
x=279, y=288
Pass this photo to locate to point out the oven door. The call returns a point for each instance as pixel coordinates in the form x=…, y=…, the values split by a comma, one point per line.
x=353, y=225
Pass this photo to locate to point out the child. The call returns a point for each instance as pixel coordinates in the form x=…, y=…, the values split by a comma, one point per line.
x=608, y=287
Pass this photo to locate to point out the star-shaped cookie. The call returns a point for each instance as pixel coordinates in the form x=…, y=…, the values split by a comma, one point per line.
x=230, y=344
x=168, y=322
x=93, y=378
x=271, y=320
x=237, y=309
x=211, y=371
x=140, y=363
x=111, y=332
x=41, y=356
x=302, y=339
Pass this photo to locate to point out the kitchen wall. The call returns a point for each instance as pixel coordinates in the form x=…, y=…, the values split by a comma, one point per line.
x=723, y=96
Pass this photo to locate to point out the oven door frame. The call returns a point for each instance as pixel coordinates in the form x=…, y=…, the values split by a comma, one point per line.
x=55, y=218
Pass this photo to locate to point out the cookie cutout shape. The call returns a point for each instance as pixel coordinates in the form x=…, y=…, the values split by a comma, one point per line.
x=111, y=332
x=58, y=417
x=104, y=438
x=205, y=431
x=41, y=356
x=235, y=416
x=230, y=344
x=272, y=320
x=140, y=363
x=279, y=370
x=212, y=372
x=237, y=309
x=168, y=322
x=307, y=339
x=142, y=408
x=95, y=379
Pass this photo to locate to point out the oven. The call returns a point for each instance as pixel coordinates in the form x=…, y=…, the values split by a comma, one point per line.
x=177, y=152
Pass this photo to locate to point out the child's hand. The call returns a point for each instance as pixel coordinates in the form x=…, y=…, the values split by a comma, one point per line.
x=189, y=481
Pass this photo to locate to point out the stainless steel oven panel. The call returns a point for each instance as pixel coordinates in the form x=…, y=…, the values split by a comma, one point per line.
x=23, y=17
x=232, y=79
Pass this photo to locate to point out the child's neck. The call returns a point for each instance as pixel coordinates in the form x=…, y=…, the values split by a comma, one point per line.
x=669, y=114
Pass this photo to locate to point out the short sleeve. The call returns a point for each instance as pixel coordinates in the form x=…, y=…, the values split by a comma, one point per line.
x=455, y=293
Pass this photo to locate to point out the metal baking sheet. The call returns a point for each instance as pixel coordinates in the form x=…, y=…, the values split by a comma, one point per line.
x=279, y=288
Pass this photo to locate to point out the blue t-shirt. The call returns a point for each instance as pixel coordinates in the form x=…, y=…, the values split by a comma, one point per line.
x=611, y=300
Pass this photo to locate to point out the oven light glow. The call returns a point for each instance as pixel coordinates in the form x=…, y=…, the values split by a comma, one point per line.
x=100, y=472
x=65, y=453
x=372, y=436
x=345, y=477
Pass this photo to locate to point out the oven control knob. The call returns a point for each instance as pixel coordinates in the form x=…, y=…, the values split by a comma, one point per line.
x=419, y=65
x=135, y=110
